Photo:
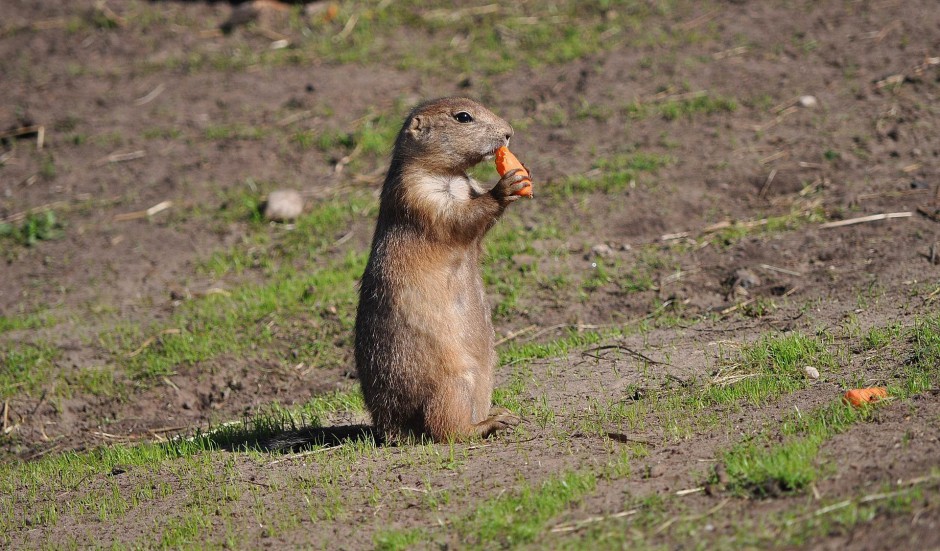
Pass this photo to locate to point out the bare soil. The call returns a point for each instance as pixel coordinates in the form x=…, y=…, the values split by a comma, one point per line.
x=870, y=145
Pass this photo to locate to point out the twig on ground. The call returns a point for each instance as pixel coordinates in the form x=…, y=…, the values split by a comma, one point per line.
x=623, y=439
x=776, y=156
x=6, y=415
x=304, y=454
x=348, y=28
x=863, y=219
x=152, y=95
x=37, y=129
x=449, y=14
x=622, y=348
x=412, y=489
x=122, y=157
x=51, y=449
x=892, y=80
x=878, y=36
x=930, y=212
x=514, y=334
x=152, y=340
x=579, y=326
x=678, y=379
x=42, y=398
x=932, y=295
x=698, y=21
x=590, y=520
x=163, y=430
x=730, y=309
x=766, y=187
x=343, y=239
x=710, y=512
x=255, y=482
x=110, y=14
x=295, y=117
x=740, y=50
x=866, y=499
x=717, y=226
x=731, y=379
x=775, y=121
x=781, y=270
x=891, y=193
x=159, y=207
x=117, y=437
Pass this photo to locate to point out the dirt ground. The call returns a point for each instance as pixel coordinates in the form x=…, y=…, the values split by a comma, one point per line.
x=786, y=117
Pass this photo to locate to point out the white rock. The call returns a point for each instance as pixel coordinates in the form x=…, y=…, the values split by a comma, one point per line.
x=602, y=250
x=808, y=101
x=283, y=205
x=811, y=372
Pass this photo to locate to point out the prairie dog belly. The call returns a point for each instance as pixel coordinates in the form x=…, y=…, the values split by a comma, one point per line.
x=446, y=308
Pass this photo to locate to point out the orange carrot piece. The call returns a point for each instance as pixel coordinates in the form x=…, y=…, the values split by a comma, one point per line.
x=505, y=162
x=860, y=396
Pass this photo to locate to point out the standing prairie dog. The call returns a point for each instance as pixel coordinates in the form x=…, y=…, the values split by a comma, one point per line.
x=424, y=338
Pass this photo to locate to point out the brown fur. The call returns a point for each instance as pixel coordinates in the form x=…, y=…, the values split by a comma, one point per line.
x=424, y=339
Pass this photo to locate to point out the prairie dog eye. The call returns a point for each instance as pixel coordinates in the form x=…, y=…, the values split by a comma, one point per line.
x=463, y=117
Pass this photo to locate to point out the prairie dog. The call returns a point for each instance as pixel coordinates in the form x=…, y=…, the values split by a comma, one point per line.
x=424, y=338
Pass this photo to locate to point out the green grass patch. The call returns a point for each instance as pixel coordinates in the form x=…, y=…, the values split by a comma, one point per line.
x=97, y=381
x=761, y=468
x=305, y=303
x=754, y=374
x=880, y=337
x=501, y=271
x=162, y=133
x=615, y=173
x=520, y=517
x=26, y=367
x=78, y=484
x=68, y=468
x=243, y=319
x=798, y=525
x=269, y=248
x=36, y=227
x=373, y=135
x=35, y=320
x=785, y=355
x=830, y=516
x=479, y=40
x=794, y=220
x=508, y=520
x=682, y=108
x=766, y=466
x=515, y=352
x=397, y=540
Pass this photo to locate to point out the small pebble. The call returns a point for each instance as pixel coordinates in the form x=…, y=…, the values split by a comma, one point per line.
x=808, y=101
x=283, y=205
x=811, y=372
x=601, y=251
x=745, y=278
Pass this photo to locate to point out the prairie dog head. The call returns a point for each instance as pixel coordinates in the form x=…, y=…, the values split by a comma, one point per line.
x=450, y=135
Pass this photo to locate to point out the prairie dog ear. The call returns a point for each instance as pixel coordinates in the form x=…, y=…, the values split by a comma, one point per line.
x=418, y=127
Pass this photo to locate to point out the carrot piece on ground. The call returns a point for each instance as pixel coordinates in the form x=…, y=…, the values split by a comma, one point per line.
x=860, y=396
